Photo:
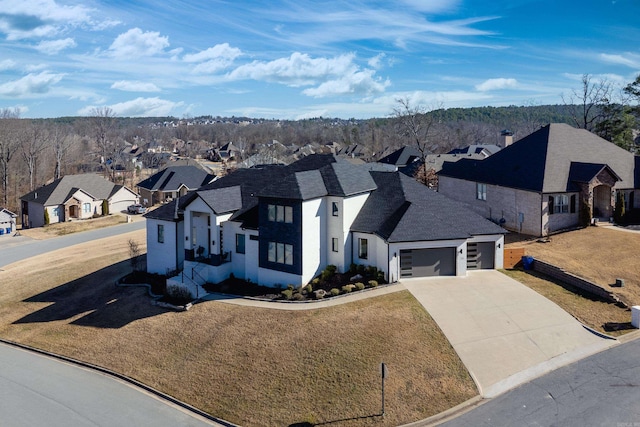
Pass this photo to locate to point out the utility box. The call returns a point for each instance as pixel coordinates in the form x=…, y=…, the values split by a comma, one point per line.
x=635, y=316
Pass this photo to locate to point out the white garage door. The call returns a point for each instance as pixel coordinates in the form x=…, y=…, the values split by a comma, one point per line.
x=428, y=262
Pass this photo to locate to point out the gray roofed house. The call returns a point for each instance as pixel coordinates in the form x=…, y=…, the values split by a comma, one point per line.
x=7, y=222
x=284, y=225
x=555, y=178
x=172, y=182
x=74, y=197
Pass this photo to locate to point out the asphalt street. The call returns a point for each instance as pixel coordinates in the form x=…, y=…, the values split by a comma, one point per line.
x=37, y=390
x=601, y=390
x=17, y=248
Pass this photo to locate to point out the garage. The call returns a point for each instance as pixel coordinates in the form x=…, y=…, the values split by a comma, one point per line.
x=428, y=262
x=481, y=255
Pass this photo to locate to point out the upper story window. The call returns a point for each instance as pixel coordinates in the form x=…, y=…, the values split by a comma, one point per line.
x=363, y=248
x=334, y=244
x=334, y=208
x=279, y=213
x=481, y=191
x=559, y=204
x=160, y=233
x=240, y=243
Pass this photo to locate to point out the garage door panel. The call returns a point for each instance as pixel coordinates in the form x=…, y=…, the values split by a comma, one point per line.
x=428, y=262
x=480, y=255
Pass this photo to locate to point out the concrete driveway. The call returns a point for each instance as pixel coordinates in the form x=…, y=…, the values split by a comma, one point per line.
x=505, y=333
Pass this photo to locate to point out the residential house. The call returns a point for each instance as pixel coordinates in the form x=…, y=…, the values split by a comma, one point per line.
x=280, y=225
x=7, y=222
x=74, y=197
x=555, y=178
x=171, y=183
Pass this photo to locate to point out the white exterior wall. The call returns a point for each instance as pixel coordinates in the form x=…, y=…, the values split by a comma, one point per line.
x=7, y=222
x=53, y=218
x=275, y=278
x=252, y=252
x=502, y=202
x=241, y=263
x=314, y=242
x=339, y=227
x=162, y=257
x=460, y=245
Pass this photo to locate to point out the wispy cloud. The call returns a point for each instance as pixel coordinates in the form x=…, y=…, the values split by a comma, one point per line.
x=7, y=64
x=213, y=59
x=135, y=86
x=53, y=47
x=29, y=85
x=629, y=59
x=140, y=107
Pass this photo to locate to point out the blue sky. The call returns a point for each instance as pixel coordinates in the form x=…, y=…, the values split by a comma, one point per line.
x=299, y=59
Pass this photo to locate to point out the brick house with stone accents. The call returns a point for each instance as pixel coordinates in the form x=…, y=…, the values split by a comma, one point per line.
x=555, y=178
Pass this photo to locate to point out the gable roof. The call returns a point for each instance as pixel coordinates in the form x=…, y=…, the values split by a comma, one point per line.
x=7, y=213
x=542, y=161
x=403, y=210
x=401, y=157
x=174, y=177
x=59, y=191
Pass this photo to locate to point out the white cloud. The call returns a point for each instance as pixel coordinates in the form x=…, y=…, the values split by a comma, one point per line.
x=497, y=84
x=214, y=59
x=360, y=82
x=135, y=86
x=52, y=47
x=376, y=61
x=39, y=18
x=297, y=70
x=140, y=107
x=7, y=64
x=135, y=43
x=31, y=84
x=628, y=59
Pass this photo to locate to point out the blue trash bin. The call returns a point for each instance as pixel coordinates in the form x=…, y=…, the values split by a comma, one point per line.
x=527, y=262
x=1, y=231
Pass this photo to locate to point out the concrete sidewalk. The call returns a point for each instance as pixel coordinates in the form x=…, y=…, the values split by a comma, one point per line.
x=505, y=333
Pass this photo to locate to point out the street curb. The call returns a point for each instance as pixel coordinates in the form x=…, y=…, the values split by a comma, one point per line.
x=122, y=377
x=450, y=413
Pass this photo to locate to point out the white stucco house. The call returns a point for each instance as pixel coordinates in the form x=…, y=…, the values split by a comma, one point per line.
x=555, y=178
x=281, y=225
x=74, y=197
x=7, y=222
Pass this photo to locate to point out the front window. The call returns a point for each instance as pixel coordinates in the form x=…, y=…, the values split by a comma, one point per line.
x=240, y=243
x=363, y=251
x=160, y=233
x=55, y=211
x=559, y=204
x=280, y=253
x=279, y=213
x=86, y=207
x=481, y=191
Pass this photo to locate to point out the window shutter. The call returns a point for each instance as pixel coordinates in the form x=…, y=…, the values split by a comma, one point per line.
x=550, y=205
x=572, y=206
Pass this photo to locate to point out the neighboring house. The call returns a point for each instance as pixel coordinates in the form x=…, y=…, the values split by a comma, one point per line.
x=171, y=183
x=281, y=225
x=555, y=178
x=74, y=197
x=7, y=222
x=401, y=158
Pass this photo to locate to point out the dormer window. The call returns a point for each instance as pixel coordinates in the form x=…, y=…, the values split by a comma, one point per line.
x=279, y=213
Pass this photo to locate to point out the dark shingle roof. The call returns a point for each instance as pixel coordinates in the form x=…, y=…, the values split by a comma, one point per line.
x=174, y=177
x=401, y=157
x=223, y=200
x=61, y=189
x=167, y=211
x=402, y=210
x=542, y=161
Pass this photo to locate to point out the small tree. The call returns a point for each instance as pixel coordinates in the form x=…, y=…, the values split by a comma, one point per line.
x=134, y=254
x=105, y=207
x=46, y=216
x=619, y=209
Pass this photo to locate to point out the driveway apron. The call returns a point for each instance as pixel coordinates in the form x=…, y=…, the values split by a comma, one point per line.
x=505, y=333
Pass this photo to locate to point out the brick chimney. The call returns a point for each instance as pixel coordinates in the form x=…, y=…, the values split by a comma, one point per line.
x=506, y=137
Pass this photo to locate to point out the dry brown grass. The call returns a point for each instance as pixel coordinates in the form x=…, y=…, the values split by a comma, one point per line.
x=254, y=367
x=589, y=311
x=62, y=228
x=595, y=253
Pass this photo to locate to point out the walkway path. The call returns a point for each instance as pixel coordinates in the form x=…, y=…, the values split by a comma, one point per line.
x=505, y=333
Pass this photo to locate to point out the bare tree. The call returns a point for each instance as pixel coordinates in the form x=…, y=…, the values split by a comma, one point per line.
x=60, y=142
x=8, y=146
x=589, y=101
x=134, y=254
x=414, y=123
x=34, y=142
x=102, y=122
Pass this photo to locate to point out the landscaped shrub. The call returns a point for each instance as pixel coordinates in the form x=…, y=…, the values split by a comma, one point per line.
x=361, y=269
x=315, y=281
x=335, y=292
x=353, y=268
x=359, y=286
x=290, y=287
x=348, y=288
x=372, y=271
x=380, y=277
x=297, y=297
x=46, y=217
x=308, y=289
x=328, y=272
x=287, y=294
x=180, y=293
x=373, y=283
